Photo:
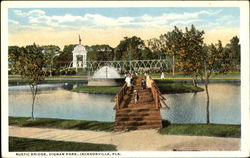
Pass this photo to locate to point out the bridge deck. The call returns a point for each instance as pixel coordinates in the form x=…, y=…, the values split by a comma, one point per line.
x=143, y=115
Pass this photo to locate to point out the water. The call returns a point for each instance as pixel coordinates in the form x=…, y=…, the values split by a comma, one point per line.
x=61, y=103
x=56, y=101
x=106, y=72
x=191, y=107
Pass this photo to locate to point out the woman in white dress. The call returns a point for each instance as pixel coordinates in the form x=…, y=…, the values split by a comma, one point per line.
x=128, y=80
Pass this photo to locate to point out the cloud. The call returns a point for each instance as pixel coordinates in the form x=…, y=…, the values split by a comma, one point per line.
x=210, y=12
x=13, y=21
x=35, y=12
x=43, y=28
x=182, y=22
x=40, y=17
x=66, y=18
x=225, y=18
x=20, y=13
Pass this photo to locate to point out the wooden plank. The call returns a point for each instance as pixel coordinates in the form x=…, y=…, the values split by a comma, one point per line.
x=145, y=114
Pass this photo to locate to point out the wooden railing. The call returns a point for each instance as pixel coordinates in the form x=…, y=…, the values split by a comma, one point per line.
x=158, y=98
x=119, y=96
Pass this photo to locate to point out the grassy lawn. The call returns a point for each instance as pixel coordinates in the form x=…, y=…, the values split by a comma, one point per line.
x=177, y=88
x=218, y=130
x=61, y=123
x=27, y=144
x=231, y=74
x=164, y=88
x=97, y=89
x=189, y=80
x=52, y=79
x=181, y=75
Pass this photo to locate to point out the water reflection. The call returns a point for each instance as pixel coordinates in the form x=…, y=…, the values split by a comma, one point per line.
x=40, y=87
x=56, y=101
x=191, y=107
x=61, y=103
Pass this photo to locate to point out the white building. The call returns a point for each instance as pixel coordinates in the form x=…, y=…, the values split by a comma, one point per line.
x=79, y=50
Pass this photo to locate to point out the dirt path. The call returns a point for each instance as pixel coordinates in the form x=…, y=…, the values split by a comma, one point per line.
x=131, y=141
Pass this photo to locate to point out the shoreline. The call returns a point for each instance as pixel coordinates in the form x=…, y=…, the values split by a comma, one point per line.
x=138, y=140
x=181, y=80
x=191, y=129
x=169, y=80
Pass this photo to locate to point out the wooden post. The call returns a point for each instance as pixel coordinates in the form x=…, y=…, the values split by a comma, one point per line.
x=156, y=100
x=117, y=102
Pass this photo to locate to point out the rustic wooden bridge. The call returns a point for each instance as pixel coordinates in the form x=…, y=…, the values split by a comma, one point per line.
x=142, y=115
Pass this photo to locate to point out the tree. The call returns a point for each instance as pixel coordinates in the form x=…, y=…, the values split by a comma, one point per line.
x=214, y=60
x=147, y=54
x=29, y=65
x=197, y=59
x=100, y=53
x=66, y=57
x=233, y=48
x=189, y=56
x=13, y=57
x=170, y=43
x=156, y=48
x=129, y=48
x=50, y=52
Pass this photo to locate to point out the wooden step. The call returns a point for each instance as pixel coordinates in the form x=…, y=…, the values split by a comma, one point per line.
x=139, y=113
x=138, y=123
x=141, y=126
x=120, y=128
x=145, y=121
x=138, y=118
x=142, y=115
x=141, y=101
x=137, y=109
x=149, y=105
x=136, y=115
x=131, y=115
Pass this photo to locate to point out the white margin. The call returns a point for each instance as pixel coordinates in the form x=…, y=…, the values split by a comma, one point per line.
x=4, y=81
x=244, y=37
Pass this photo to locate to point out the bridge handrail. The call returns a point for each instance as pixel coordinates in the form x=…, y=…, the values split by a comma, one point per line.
x=119, y=95
x=158, y=98
x=104, y=61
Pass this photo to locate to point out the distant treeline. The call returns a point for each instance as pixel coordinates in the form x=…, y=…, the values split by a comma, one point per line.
x=169, y=45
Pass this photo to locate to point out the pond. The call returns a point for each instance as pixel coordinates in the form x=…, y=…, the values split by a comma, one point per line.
x=57, y=101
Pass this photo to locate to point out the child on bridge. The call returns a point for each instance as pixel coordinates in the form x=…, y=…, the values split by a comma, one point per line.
x=135, y=96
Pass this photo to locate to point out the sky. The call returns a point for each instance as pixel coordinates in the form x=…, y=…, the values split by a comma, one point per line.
x=61, y=26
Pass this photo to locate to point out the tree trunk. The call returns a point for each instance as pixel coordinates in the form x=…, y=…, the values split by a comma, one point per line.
x=194, y=81
x=34, y=91
x=33, y=101
x=207, y=93
x=173, y=65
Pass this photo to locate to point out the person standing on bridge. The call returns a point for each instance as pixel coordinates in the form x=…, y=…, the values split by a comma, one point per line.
x=128, y=81
x=135, y=96
x=149, y=82
x=147, y=79
x=134, y=76
x=145, y=76
x=143, y=84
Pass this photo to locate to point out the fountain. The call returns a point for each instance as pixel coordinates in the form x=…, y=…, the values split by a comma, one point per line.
x=106, y=76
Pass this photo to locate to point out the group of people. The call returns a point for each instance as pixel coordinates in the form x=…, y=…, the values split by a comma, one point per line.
x=130, y=79
x=146, y=82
